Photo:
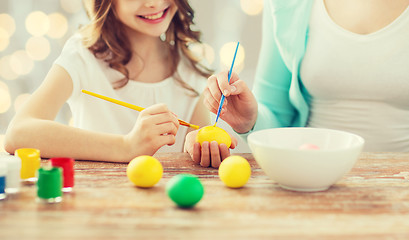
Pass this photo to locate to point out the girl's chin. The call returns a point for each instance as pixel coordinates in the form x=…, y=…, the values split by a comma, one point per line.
x=148, y=33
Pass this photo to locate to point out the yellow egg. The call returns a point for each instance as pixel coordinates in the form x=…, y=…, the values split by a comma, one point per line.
x=144, y=171
x=213, y=133
x=234, y=171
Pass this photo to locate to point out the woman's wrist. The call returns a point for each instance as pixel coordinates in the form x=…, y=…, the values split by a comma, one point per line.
x=245, y=130
x=246, y=125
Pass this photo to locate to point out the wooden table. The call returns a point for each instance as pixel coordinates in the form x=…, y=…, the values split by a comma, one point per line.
x=370, y=202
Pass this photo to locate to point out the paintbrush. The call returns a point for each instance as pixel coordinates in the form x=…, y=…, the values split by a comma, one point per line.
x=131, y=106
x=228, y=77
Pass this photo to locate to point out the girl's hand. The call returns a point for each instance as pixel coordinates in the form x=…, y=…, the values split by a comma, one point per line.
x=155, y=127
x=240, y=106
x=209, y=154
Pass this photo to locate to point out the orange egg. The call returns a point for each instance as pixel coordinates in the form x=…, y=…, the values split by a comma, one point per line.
x=213, y=133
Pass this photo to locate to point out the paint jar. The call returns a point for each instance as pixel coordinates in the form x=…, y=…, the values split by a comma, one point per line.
x=13, y=172
x=49, y=185
x=67, y=165
x=30, y=163
x=3, y=173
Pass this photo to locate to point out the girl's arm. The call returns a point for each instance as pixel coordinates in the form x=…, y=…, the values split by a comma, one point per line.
x=34, y=127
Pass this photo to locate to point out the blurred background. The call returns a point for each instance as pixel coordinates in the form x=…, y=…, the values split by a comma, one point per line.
x=33, y=32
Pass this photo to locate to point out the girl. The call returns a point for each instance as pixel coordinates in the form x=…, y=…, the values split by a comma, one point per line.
x=120, y=54
x=329, y=64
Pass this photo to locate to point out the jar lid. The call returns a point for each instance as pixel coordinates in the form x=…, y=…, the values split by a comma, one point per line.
x=3, y=169
x=27, y=153
x=13, y=162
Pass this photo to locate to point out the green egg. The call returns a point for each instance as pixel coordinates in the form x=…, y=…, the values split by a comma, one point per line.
x=185, y=190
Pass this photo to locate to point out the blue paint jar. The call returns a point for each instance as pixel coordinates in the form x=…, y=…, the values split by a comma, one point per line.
x=3, y=173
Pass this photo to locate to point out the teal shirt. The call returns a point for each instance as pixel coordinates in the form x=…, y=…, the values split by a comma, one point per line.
x=282, y=99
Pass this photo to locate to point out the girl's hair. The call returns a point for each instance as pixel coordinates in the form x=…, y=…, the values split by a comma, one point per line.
x=105, y=37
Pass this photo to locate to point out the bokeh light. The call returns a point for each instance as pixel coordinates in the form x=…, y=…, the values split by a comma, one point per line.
x=58, y=25
x=20, y=100
x=7, y=23
x=4, y=39
x=203, y=50
x=71, y=6
x=2, y=139
x=252, y=7
x=6, y=71
x=38, y=48
x=5, y=99
x=37, y=23
x=226, y=56
x=21, y=63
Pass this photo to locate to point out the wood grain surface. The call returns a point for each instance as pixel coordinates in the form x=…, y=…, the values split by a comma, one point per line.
x=370, y=202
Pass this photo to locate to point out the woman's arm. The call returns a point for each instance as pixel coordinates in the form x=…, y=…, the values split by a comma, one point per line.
x=273, y=78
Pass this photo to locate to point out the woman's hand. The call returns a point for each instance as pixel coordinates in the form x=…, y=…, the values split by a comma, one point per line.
x=240, y=106
x=208, y=154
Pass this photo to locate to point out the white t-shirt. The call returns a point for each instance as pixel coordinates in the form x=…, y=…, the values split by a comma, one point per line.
x=92, y=74
x=359, y=83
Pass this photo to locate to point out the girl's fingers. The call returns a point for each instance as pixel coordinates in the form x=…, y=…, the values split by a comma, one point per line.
x=159, y=129
x=160, y=118
x=155, y=109
x=196, y=153
x=215, y=154
x=167, y=139
x=167, y=128
x=205, y=155
x=163, y=140
x=192, y=147
x=224, y=151
x=233, y=142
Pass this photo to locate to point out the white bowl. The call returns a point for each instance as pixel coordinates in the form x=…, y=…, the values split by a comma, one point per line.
x=278, y=153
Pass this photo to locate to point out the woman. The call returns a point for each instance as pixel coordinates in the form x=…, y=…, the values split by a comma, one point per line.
x=329, y=64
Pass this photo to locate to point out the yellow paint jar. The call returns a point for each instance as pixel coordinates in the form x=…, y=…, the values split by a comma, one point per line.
x=30, y=163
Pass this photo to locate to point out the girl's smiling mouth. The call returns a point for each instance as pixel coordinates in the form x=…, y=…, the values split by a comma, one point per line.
x=156, y=17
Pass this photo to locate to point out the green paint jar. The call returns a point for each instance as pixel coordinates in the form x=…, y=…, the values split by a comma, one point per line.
x=49, y=185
